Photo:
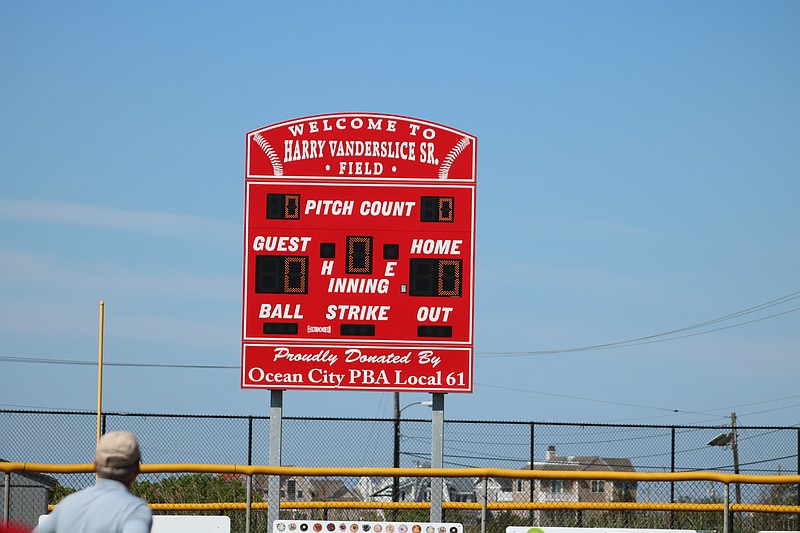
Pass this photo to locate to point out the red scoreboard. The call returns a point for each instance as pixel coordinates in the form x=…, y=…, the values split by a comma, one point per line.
x=359, y=255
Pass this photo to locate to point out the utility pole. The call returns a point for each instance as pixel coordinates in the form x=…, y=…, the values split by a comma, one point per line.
x=735, y=447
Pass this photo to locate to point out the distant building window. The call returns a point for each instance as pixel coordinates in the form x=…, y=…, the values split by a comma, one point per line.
x=557, y=485
x=299, y=493
x=520, y=485
x=598, y=485
x=291, y=487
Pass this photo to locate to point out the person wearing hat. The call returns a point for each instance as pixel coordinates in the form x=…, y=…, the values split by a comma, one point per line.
x=108, y=506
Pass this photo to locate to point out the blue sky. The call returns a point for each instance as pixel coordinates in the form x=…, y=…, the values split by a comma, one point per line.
x=637, y=174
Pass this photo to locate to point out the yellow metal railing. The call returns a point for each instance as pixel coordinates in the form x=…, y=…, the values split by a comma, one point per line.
x=251, y=470
x=480, y=473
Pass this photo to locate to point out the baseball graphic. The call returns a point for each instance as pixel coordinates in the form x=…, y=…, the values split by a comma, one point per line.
x=277, y=166
x=444, y=170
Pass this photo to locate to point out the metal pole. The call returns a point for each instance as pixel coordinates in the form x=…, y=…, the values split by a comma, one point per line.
x=396, y=455
x=484, y=504
x=7, y=499
x=250, y=440
x=726, y=510
x=274, y=482
x=531, y=481
x=735, y=447
x=249, y=503
x=437, y=455
x=100, y=371
x=672, y=483
x=249, y=509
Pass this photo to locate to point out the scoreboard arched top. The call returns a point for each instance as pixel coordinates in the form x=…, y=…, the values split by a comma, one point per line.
x=361, y=146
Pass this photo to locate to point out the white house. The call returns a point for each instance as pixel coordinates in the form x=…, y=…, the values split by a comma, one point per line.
x=414, y=489
x=563, y=490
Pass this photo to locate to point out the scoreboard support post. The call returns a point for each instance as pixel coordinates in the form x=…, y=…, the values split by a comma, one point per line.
x=437, y=455
x=275, y=440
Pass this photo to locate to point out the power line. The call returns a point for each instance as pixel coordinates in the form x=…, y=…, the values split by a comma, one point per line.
x=620, y=344
x=667, y=335
x=648, y=339
x=581, y=398
x=46, y=361
x=659, y=337
x=710, y=412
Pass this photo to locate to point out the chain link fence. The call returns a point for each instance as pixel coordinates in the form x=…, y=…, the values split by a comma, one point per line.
x=57, y=437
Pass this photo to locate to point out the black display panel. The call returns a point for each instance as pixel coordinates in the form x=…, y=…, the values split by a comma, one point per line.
x=359, y=255
x=436, y=209
x=277, y=274
x=357, y=330
x=283, y=206
x=435, y=277
x=280, y=328
x=434, y=331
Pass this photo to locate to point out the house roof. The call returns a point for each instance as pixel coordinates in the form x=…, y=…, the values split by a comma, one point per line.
x=331, y=490
x=505, y=484
x=461, y=485
x=384, y=485
x=590, y=463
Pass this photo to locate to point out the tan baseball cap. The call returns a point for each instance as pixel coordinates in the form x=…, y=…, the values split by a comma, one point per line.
x=117, y=449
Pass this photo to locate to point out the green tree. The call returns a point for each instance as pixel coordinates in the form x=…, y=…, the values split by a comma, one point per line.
x=199, y=488
x=59, y=493
x=193, y=488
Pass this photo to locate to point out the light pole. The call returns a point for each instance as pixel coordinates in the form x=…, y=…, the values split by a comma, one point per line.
x=396, y=462
x=726, y=439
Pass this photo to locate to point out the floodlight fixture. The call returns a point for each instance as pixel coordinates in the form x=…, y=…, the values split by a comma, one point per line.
x=722, y=439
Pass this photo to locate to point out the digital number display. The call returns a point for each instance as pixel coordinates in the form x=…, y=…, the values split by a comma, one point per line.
x=281, y=274
x=359, y=255
x=436, y=209
x=283, y=206
x=435, y=277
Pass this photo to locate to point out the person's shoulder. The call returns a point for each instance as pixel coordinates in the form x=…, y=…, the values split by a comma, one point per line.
x=139, y=518
x=138, y=502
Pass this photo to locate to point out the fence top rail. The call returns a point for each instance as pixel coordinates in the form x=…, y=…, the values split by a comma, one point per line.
x=795, y=428
x=289, y=471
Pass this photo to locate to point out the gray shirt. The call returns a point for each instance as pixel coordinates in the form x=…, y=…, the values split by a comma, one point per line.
x=107, y=507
